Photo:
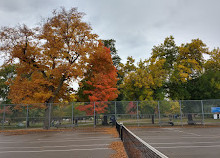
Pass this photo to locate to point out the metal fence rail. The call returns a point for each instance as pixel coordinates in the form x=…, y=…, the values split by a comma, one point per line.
x=153, y=113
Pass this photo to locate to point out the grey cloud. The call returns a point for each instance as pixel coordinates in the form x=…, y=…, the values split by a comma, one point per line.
x=135, y=25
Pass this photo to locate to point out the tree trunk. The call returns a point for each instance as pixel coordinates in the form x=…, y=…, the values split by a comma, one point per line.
x=95, y=120
x=28, y=123
x=47, y=119
x=56, y=91
x=152, y=119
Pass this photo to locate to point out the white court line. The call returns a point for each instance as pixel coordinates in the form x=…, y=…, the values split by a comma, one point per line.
x=53, y=146
x=173, y=147
x=158, y=131
x=41, y=151
x=186, y=143
x=84, y=133
x=176, y=137
x=183, y=132
x=77, y=138
x=71, y=140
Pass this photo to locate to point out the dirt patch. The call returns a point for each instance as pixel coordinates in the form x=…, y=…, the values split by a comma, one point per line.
x=119, y=148
x=30, y=131
x=112, y=131
x=105, y=130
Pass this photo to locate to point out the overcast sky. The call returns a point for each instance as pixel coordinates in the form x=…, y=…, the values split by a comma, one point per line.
x=136, y=25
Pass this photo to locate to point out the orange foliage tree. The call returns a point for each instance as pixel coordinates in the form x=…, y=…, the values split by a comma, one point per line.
x=131, y=108
x=6, y=110
x=101, y=80
x=48, y=58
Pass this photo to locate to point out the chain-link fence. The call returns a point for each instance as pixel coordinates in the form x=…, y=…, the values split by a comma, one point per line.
x=152, y=113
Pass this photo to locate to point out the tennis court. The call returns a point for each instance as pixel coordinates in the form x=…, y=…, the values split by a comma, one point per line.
x=58, y=144
x=182, y=142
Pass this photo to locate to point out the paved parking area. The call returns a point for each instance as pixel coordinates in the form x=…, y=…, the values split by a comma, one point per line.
x=182, y=142
x=59, y=144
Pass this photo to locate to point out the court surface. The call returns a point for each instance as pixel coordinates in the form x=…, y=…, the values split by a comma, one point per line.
x=182, y=142
x=61, y=144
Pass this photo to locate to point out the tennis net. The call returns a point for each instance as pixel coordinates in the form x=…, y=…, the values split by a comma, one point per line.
x=136, y=147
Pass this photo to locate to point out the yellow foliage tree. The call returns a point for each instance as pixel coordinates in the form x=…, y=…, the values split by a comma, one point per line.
x=213, y=63
x=140, y=84
x=190, y=60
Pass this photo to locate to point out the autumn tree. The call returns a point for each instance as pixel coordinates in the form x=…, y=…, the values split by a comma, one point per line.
x=136, y=84
x=166, y=53
x=207, y=85
x=140, y=85
x=190, y=61
x=131, y=108
x=213, y=63
x=123, y=71
x=116, y=62
x=129, y=66
x=181, y=64
x=189, y=65
x=48, y=57
x=167, y=72
x=102, y=79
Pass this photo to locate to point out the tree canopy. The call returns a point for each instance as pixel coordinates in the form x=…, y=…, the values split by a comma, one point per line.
x=48, y=57
x=101, y=80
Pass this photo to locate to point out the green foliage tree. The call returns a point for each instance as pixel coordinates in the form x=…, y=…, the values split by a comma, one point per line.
x=189, y=65
x=7, y=73
x=166, y=52
x=213, y=63
x=124, y=70
x=135, y=86
x=190, y=61
x=140, y=85
x=128, y=67
x=115, y=57
x=207, y=86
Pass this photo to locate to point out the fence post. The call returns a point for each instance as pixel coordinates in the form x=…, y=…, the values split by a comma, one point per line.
x=137, y=114
x=49, y=115
x=72, y=114
x=181, y=113
x=159, y=113
x=3, y=119
x=27, y=118
x=202, y=112
x=94, y=116
x=115, y=110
